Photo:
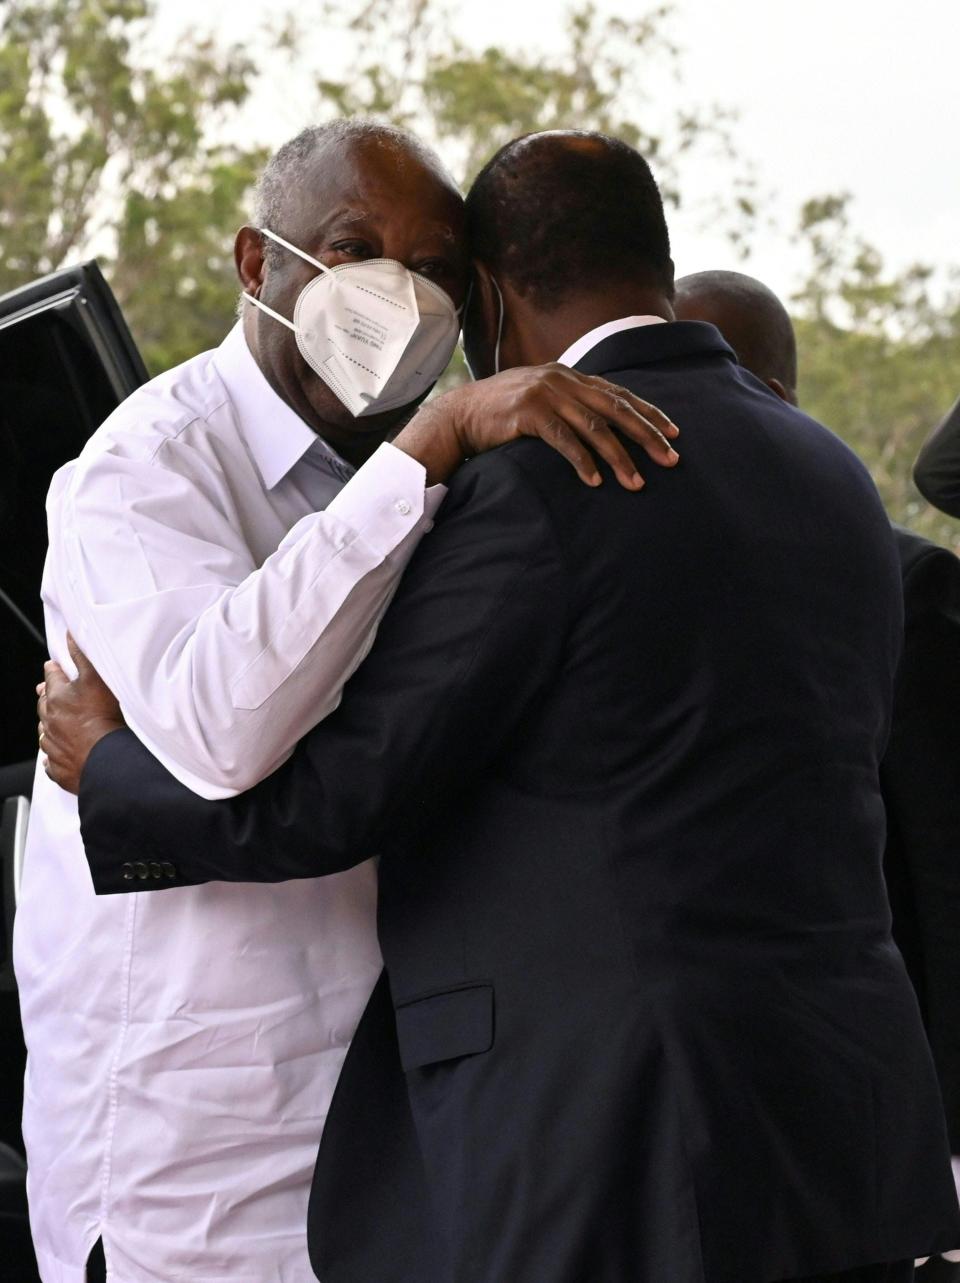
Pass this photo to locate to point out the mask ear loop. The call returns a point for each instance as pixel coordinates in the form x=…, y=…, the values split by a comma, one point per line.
x=315, y=262
x=496, y=351
x=462, y=314
x=265, y=231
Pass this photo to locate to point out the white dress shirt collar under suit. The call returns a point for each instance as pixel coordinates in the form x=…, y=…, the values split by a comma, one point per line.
x=577, y=351
x=183, y=1046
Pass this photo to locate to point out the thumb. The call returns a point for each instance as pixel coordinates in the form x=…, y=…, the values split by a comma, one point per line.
x=84, y=667
x=54, y=680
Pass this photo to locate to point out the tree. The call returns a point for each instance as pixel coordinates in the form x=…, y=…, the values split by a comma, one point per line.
x=107, y=147
x=407, y=67
x=111, y=149
x=103, y=149
x=877, y=355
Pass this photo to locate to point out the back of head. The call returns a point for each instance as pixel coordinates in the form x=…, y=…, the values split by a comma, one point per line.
x=752, y=320
x=560, y=213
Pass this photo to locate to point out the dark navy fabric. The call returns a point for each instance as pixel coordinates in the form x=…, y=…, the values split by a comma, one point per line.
x=920, y=775
x=620, y=755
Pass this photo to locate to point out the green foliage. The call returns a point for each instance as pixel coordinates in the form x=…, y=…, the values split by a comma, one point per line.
x=408, y=68
x=108, y=147
x=104, y=151
x=878, y=356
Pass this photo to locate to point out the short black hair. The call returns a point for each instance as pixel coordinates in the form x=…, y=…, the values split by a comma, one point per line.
x=749, y=316
x=557, y=213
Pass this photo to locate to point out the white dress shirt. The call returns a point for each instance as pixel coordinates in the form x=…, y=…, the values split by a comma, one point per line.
x=183, y=1046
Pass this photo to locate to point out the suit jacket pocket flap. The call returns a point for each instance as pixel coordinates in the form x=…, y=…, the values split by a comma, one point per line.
x=458, y=1022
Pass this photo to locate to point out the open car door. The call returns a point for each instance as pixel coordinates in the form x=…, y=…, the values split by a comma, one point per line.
x=67, y=359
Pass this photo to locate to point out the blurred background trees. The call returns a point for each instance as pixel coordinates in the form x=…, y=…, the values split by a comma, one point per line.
x=102, y=151
x=145, y=156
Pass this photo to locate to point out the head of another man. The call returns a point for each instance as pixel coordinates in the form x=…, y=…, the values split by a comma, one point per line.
x=568, y=232
x=752, y=320
x=344, y=192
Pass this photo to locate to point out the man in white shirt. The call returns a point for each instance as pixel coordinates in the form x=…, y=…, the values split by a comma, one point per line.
x=223, y=550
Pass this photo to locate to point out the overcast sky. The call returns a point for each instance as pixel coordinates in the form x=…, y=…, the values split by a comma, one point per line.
x=858, y=95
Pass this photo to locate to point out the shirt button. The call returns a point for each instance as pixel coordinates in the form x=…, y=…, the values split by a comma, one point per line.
x=402, y=507
x=127, y=871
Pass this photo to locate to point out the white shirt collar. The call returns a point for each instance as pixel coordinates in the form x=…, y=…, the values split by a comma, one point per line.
x=577, y=351
x=275, y=434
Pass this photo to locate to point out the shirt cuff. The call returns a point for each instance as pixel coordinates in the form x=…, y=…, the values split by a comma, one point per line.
x=386, y=498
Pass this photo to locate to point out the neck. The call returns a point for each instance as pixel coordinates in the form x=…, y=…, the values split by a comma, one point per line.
x=542, y=336
x=353, y=445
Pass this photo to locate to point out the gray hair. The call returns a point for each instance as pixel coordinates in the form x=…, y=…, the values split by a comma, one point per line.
x=285, y=168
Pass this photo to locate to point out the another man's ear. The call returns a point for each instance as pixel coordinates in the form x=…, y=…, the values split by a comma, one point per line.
x=248, y=256
x=776, y=386
x=669, y=280
x=481, y=321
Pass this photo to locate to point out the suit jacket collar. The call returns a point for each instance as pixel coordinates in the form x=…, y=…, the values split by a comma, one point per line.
x=649, y=344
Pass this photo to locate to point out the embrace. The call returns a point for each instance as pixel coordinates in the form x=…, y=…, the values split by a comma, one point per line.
x=588, y=761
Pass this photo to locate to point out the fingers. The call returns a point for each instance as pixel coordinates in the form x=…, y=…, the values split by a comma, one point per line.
x=54, y=679
x=659, y=421
x=559, y=434
x=636, y=418
x=593, y=430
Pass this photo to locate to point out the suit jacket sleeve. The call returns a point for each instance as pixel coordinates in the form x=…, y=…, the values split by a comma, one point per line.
x=921, y=783
x=470, y=642
x=937, y=470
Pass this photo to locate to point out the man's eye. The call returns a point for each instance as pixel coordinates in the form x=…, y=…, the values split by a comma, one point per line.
x=434, y=267
x=357, y=249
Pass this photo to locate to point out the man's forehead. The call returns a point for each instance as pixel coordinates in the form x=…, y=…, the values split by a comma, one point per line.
x=321, y=216
x=355, y=191
x=361, y=169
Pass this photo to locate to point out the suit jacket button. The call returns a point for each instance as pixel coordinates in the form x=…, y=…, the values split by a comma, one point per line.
x=140, y=869
x=168, y=869
x=127, y=871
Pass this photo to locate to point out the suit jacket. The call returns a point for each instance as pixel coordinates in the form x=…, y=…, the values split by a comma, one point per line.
x=620, y=756
x=921, y=785
x=937, y=470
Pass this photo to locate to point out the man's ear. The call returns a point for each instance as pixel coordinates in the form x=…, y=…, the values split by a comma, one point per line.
x=669, y=277
x=248, y=256
x=776, y=386
x=481, y=321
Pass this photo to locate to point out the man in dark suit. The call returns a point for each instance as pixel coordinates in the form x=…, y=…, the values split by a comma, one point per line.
x=937, y=470
x=921, y=768
x=620, y=757
x=920, y=771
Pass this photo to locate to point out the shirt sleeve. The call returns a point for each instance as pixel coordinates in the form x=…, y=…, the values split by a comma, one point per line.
x=460, y=668
x=221, y=666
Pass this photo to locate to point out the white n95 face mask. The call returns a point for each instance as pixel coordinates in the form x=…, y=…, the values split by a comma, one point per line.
x=377, y=334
